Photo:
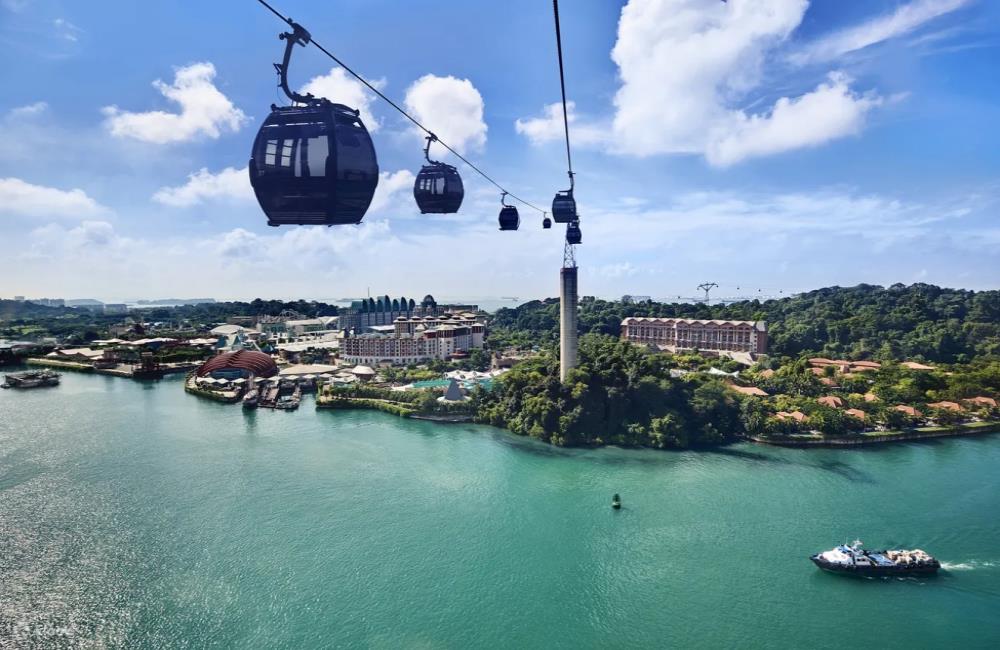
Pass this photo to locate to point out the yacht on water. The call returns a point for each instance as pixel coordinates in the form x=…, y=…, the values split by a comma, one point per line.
x=855, y=560
x=251, y=399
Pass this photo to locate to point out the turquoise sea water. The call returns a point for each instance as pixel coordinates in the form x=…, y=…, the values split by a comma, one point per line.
x=134, y=515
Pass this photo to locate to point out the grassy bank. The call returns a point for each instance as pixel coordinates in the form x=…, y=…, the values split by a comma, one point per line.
x=394, y=408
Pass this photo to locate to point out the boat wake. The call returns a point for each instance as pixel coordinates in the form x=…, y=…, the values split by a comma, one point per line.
x=968, y=566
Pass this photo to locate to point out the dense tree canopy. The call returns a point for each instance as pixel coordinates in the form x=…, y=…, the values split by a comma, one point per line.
x=619, y=394
x=919, y=321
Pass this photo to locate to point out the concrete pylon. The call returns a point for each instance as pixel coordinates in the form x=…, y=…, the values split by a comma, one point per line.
x=567, y=320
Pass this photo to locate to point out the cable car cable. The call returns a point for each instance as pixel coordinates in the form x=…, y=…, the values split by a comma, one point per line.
x=410, y=117
x=562, y=86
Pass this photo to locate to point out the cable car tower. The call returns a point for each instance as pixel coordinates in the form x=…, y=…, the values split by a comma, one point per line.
x=564, y=211
x=706, y=287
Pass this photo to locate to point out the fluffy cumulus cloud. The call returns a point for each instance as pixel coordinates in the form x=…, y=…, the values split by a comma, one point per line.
x=394, y=192
x=340, y=88
x=203, y=111
x=86, y=240
x=549, y=126
x=203, y=185
x=299, y=248
x=682, y=62
x=903, y=20
x=21, y=198
x=452, y=108
x=687, y=66
x=831, y=111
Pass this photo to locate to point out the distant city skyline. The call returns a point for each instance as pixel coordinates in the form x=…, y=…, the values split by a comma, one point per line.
x=771, y=146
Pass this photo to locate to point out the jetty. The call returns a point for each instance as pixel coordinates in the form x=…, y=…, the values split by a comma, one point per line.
x=283, y=396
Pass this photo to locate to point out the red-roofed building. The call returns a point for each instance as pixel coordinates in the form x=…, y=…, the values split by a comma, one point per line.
x=982, y=401
x=748, y=390
x=858, y=413
x=832, y=401
x=798, y=416
x=908, y=410
x=947, y=406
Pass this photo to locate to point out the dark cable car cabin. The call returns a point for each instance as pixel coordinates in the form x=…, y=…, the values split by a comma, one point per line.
x=564, y=207
x=438, y=188
x=546, y=222
x=573, y=234
x=509, y=219
x=312, y=164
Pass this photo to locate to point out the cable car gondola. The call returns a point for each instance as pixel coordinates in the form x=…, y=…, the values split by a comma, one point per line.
x=573, y=234
x=438, y=188
x=509, y=219
x=564, y=207
x=312, y=163
x=546, y=222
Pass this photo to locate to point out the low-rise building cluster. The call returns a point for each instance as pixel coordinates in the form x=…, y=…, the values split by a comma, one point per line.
x=415, y=339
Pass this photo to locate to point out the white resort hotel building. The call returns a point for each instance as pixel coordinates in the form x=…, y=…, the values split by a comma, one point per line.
x=414, y=340
x=722, y=336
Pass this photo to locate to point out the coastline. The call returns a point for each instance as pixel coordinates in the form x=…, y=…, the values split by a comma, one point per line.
x=166, y=369
x=225, y=397
x=400, y=409
x=880, y=438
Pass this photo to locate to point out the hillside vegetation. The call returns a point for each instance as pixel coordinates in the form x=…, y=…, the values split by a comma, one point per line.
x=918, y=322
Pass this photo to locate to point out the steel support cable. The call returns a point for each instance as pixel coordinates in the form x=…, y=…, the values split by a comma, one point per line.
x=407, y=115
x=562, y=87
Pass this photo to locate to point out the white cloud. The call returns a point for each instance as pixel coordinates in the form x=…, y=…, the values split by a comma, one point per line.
x=239, y=243
x=452, y=108
x=829, y=112
x=616, y=270
x=300, y=248
x=872, y=238
x=549, y=127
x=339, y=88
x=28, y=111
x=20, y=198
x=684, y=64
x=204, y=110
x=394, y=191
x=67, y=30
x=15, y=5
x=202, y=185
x=903, y=20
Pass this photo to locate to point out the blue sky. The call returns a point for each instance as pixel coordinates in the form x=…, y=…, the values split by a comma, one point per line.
x=771, y=146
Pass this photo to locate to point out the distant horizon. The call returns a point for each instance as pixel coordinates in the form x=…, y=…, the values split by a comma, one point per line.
x=443, y=298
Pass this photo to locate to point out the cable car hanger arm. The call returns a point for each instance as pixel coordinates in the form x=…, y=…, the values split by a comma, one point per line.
x=298, y=36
